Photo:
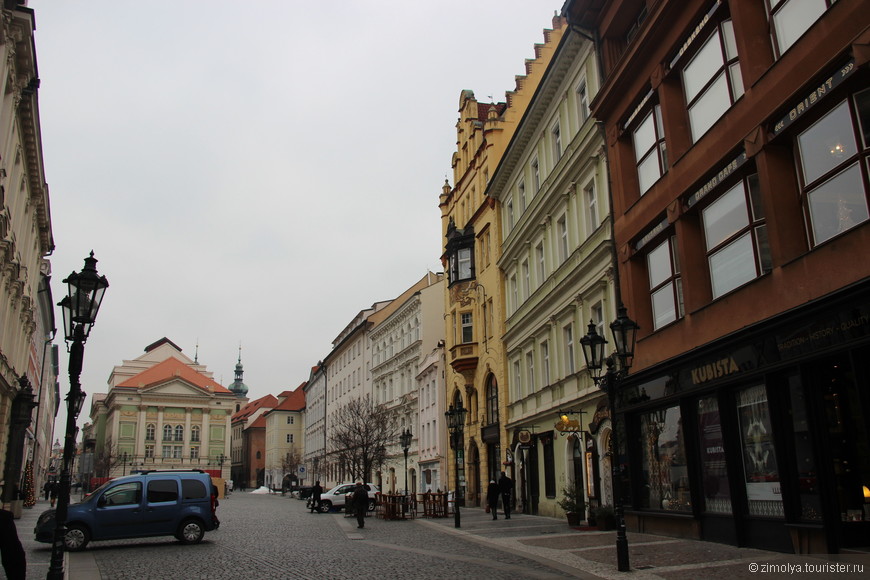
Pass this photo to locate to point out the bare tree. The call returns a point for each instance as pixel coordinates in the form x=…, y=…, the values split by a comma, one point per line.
x=360, y=435
x=107, y=458
x=289, y=466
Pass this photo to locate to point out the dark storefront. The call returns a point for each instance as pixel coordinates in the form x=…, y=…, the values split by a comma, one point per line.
x=761, y=438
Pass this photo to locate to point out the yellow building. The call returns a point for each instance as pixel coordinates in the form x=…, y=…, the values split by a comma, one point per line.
x=474, y=304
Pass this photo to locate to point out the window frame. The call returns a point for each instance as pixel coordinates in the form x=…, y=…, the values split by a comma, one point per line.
x=674, y=280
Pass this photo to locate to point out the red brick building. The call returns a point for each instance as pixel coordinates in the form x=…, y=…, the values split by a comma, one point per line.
x=738, y=136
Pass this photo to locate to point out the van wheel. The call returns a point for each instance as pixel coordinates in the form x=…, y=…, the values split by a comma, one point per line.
x=190, y=532
x=76, y=538
x=325, y=506
x=372, y=505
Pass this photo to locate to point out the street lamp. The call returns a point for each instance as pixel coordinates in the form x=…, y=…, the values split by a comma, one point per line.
x=405, y=440
x=124, y=463
x=624, y=332
x=456, y=426
x=80, y=307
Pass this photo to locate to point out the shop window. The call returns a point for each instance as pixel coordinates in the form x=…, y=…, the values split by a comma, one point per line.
x=649, y=149
x=711, y=80
x=666, y=287
x=717, y=494
x=791, y=18
x=736, y=236
x=804, y=460
x=760, y=469
x=834, y=168
x=665, y=474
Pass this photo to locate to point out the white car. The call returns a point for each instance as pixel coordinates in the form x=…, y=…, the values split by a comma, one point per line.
x=337, y=496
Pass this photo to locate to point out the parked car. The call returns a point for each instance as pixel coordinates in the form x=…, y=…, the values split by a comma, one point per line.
x=337, y=496
x=175, y=503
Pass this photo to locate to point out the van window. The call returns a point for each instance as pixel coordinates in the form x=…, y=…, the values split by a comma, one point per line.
x=123, y=494
x=192, y=489
x=162, y=490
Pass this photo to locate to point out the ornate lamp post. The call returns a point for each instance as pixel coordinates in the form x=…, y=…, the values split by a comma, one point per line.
x=405, y=440
x=456, y=427
x=624, y=332
x=80, y=307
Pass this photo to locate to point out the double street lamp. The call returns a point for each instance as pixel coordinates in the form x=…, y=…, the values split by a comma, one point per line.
x=456, y=427
x=80, y=307
x=624, y=332
x=405, y=440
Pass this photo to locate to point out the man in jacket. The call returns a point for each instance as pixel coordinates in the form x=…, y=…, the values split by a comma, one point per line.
x=315, y=496
x=360, y=504
x=14, y=559
x=506, y=485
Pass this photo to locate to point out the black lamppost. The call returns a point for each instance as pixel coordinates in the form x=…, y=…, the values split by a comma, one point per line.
x=624, y=331
x=456, y=426
x=124, y=464
x=80, y=306
x=405, y=439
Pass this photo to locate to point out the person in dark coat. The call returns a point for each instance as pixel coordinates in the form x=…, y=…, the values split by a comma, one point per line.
x=506, y=486
x=55, y=489
x=360, y=504
x=14, y=559
x=46, y=489
x=316, y=491
x=492, y=493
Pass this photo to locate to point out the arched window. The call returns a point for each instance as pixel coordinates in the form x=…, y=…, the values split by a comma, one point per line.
x=179, y=432
x=167, y=432
x=491, y=400
x=150, y=430
x=194, y=433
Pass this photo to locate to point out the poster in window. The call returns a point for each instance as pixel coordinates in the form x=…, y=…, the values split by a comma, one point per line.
x=759, y=459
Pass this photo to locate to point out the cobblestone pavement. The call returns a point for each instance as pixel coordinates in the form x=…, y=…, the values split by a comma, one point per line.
x=270, y=536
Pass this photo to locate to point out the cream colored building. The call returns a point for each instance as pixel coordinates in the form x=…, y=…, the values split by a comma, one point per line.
x=26, y=320
x=474, y=303
x=164, y=411
x=557, y=261
x=285, y=439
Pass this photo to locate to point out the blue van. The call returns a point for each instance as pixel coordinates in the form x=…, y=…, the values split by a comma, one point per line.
x=150, y=503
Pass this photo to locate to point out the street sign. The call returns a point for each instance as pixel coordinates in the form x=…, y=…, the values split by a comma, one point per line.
x=300, y=471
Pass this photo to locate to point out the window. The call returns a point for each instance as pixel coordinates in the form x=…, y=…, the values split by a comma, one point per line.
x=194, y=452
x=536, y=177
x=530, y=371
x=568, y=334
x=527, y=283
x=597, y=315
x=150, y=431
x=291, y=419
x=467, y=327
x=460, y=252
x=521, y=194
x=509, y=214
x=562, y=229
x=583, y=101
x=488, y=321
x=664, y=472
x=556, y=135
x=791, y=18
x=149, y=452
x=542, y=273
x=161, y=490
x=545, y=363
x=491, y=400
x=167, y=432
x=179, y=433
x=736, y=235
x=518, y=391
x=666, y=288
x=711, y=80
x=193, y=489
x=549, y=467
x=194, y=434
x=167, y=451
x=123, y=494
x=649, y=149
x=592, y=219
x=834, y=168
x=464, y=258
x=289, y=437
x=515, y=296
x=760, y=468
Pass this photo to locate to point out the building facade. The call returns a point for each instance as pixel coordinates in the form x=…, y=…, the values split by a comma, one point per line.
x=474, y=308
x=249, y=442
x=401, y=332
x=26, y=239
x=737, y=137
x=285, y=440
x=431, y=435
x=162, y=411
x=558, y=271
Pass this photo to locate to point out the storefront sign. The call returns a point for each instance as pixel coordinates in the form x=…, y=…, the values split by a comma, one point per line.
x=838, y=329
x=656, y=230
x=821, y=91
x=638, y=109
x=723, y=174
x=714, y=370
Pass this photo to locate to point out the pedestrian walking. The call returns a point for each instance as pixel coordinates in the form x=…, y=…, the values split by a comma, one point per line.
x=315, y=496
x=11, y=550
x=360, y=504
x=46, y=489
x=506, y=486
x=492, y=493
x=55, y=489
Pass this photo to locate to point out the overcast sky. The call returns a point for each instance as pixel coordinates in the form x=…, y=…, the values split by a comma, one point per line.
x=257, y=172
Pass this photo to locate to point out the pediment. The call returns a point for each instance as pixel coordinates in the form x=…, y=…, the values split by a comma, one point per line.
x=175, y=386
